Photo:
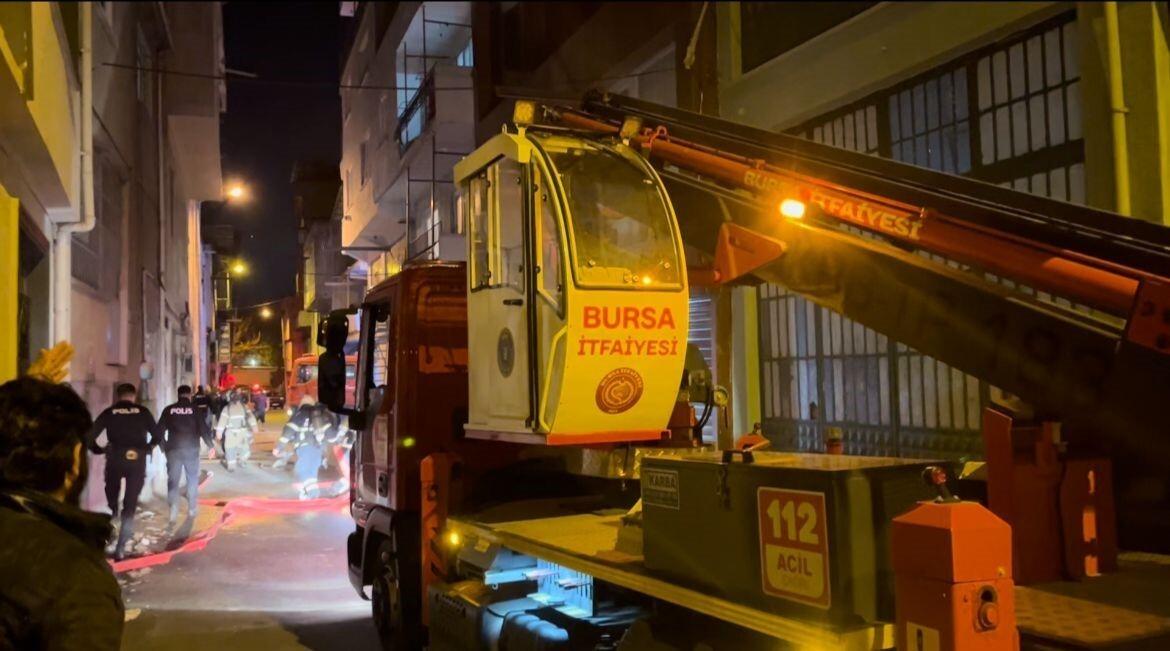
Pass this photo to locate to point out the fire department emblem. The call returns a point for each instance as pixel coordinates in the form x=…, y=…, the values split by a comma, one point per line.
x=619, y=390
x=505, y=352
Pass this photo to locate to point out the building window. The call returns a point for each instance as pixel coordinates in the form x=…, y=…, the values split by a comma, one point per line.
x=97, y=255
x=929, y=123
x=1029, y=106
x=408, y=84
x=855, y=129
x=1007, y=114
x=466, y=56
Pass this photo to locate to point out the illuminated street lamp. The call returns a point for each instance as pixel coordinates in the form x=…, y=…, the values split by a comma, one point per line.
x=265, y=313
x=236, y=192
x=229, y=270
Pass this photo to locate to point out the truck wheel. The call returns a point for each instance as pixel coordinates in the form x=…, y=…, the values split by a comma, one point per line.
x=395, y=601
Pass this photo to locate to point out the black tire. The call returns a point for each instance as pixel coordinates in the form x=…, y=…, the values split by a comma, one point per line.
x=395, y=599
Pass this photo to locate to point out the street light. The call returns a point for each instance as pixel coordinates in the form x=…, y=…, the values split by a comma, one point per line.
x=239, y=268
x=236, y=192
x=265, y=313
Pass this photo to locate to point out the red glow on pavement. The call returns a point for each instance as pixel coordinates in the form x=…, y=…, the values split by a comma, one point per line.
x=232, y=509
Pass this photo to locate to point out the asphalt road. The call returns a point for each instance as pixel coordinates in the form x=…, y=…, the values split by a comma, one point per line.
x=269, y=581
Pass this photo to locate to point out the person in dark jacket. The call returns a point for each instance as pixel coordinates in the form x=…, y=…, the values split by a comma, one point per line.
x=180, y=428
x=56, y=589
x=203, y=404
x=306, y=432
x=128, y=426
x=260, y=401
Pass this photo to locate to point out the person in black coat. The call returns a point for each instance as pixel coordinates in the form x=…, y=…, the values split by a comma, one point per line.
x=128, y=426
x=180, y=428
x=56, y=589
x=203, y=404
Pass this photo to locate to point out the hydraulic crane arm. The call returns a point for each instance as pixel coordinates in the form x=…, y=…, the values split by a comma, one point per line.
x=858, y=251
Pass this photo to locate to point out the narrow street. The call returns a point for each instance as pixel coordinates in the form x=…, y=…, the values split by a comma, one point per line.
x=273, y=580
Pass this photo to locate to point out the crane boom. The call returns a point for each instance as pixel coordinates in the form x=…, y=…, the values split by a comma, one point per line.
x=1102, y=372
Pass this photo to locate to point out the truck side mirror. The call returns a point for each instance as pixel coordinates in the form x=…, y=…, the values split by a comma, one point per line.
x=332, y=334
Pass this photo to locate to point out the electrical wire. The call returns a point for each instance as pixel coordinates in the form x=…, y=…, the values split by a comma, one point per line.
x=308, y=83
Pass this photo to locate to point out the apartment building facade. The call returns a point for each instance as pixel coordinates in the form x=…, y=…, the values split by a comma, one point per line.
x=105, y=160
x=1009, y=93
x=327, y=279
x=407, y=117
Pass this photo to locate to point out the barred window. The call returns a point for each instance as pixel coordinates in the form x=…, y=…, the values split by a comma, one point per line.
x=929, y=123
x=97, y=254
x=1008, y=114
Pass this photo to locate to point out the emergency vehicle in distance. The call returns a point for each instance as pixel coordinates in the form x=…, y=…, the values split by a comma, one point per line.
x=528, y=471
x=301, y=380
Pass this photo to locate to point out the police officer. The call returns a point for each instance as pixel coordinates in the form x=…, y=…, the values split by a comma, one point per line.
x=180, y=428
x=203, y=404
x=127, y=425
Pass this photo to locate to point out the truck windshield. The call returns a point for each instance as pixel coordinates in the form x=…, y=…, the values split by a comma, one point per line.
x=621, y=229
x=306, y=373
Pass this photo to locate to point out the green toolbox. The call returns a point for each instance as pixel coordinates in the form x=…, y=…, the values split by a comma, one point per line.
x=798, y=535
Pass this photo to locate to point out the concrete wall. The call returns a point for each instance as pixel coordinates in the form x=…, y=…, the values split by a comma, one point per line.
x=39, y=164
x=1145, y=63
x=887, y=44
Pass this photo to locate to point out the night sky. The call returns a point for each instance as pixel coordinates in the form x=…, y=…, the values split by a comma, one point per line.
x=269, y=126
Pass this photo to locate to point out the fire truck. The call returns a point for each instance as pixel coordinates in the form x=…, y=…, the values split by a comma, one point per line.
x=301, y=380
x=528, y=473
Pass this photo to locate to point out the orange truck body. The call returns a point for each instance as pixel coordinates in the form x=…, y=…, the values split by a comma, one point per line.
x=301, y=380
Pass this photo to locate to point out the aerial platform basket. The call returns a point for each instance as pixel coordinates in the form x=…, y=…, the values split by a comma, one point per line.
x=577, y=290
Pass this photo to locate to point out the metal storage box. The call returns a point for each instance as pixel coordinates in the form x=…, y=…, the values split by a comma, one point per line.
x=801, y=535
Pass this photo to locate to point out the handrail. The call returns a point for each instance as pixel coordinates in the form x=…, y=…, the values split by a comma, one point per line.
x=544, y=385
x=425, y=95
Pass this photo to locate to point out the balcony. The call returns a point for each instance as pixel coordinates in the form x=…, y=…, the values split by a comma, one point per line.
x=419, y=113
x=444, y=99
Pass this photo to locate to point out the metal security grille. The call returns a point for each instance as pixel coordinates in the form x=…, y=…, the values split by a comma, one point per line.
x=1007, y=114
x=701, y=333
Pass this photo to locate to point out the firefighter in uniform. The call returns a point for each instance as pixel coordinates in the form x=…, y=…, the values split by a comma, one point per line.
x=235, y=427
x=338, y=447
x=127, y=425
x=180, y=428
x=306, y=432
